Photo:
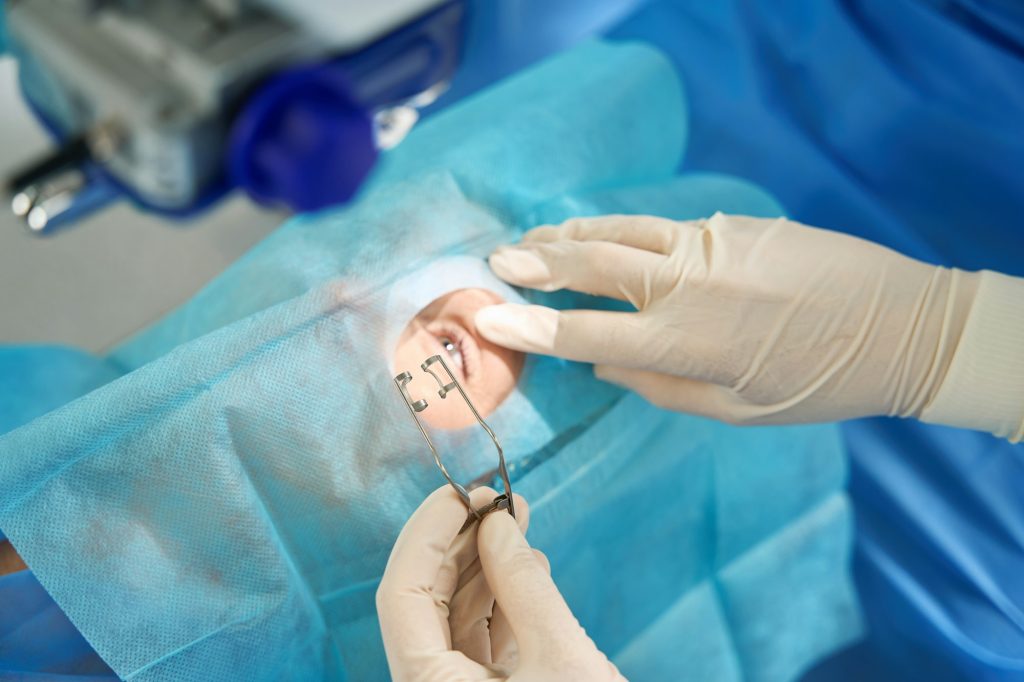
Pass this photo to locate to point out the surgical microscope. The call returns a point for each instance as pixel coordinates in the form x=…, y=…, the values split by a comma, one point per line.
x=173, y=104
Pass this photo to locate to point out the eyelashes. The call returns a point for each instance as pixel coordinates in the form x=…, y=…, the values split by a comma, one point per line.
x=458, y=346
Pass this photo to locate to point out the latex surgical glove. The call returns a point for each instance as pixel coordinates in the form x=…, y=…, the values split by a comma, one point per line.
x=480, y=605
x=754, y=320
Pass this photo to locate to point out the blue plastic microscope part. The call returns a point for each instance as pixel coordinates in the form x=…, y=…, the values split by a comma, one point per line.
x=304, y=137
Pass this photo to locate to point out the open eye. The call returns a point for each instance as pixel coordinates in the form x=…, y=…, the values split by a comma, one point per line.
x=453, y=349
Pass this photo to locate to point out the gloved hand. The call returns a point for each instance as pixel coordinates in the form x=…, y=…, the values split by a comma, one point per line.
x=478, y=606
x=743, y=319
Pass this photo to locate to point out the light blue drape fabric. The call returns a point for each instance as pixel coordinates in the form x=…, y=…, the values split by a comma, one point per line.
x=225, y=509
x=38, y=379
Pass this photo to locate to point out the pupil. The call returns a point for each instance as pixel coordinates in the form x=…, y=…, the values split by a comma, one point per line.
x=452, y=349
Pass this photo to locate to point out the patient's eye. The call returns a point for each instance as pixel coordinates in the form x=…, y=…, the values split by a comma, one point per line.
x=446, y=328
x=452, y=347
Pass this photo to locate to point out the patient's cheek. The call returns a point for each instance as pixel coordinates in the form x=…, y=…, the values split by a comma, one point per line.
x=10, y=562
x=487, y=372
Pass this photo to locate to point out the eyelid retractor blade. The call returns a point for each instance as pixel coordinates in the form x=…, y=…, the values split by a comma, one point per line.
x=402, y=381
x=444, y=390
x=503, y=501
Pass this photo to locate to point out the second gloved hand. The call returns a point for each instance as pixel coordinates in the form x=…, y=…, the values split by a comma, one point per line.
x=746, y=320
x=480, y=605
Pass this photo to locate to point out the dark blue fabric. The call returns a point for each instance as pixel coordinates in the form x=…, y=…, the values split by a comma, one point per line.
x=901, y=121
x=37, y=641
x=888, y=119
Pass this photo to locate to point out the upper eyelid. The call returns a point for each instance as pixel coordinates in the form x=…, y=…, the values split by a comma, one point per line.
x=446, y=329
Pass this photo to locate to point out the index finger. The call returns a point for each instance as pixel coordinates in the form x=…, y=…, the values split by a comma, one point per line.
x=411, y=604
x=595, y=336
x=524, y=590
x=649, y=233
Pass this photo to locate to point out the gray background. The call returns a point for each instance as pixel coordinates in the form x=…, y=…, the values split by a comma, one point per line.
x=99, y=281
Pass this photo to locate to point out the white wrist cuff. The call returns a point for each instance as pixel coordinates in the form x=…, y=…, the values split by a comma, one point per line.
x=984, y=386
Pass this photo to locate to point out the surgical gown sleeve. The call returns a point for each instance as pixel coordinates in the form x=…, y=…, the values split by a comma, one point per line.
x=984, y=386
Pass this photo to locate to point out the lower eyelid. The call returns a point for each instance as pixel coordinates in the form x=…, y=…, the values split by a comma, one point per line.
x=461, y=345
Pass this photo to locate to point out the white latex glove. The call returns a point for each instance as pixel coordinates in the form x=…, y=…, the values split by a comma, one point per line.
x=478, y=606
x=746, y=320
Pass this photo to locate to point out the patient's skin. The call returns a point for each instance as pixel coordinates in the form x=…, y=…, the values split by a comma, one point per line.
x=445, y=327
x=10, y=562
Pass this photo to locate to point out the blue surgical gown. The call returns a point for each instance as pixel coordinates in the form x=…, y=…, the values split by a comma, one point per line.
x=900, y=121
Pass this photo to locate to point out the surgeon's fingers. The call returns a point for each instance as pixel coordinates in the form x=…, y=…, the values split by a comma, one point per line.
x=594, y=336
x=593, y=267
x=605, y=338
x=421, y=576
x=504, y=652
x=681, y=394
x=537, y=614
x=472, y=605
x=650, y=233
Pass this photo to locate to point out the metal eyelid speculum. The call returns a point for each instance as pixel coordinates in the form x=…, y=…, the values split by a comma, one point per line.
x=503, y=501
